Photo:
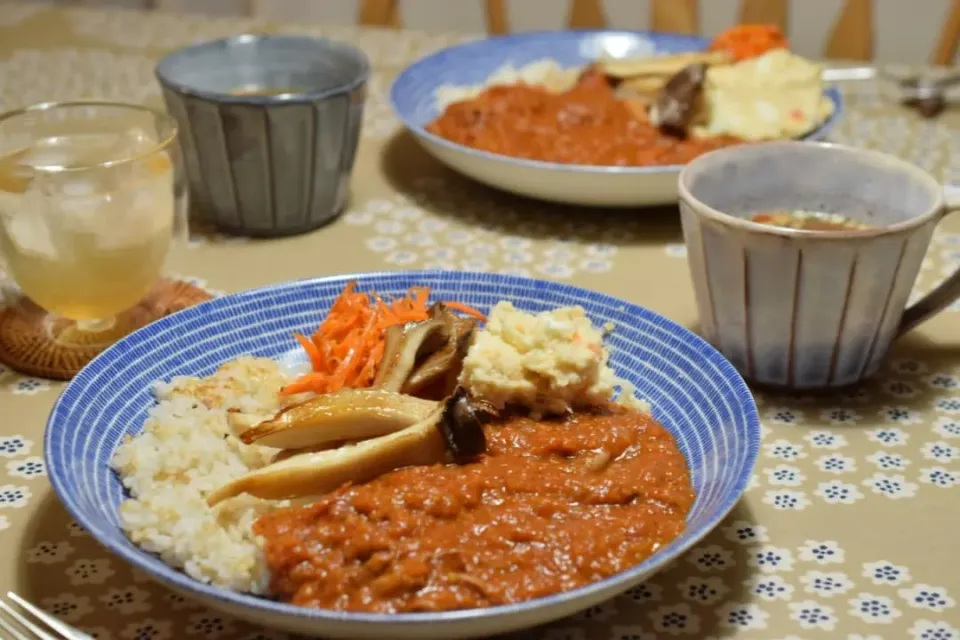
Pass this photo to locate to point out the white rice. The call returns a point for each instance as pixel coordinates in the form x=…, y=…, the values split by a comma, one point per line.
x=186, y=450
x=547, y=73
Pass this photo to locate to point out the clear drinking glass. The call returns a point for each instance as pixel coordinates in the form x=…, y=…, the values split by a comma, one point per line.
x=90, y=201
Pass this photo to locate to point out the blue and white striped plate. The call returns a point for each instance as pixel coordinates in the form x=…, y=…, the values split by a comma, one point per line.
x=413, y=97
x=694, y=391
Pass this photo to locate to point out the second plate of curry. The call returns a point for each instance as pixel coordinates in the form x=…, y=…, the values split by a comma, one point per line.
x=607, y=118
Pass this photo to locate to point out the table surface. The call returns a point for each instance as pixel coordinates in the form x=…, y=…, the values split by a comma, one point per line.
x=849, y=527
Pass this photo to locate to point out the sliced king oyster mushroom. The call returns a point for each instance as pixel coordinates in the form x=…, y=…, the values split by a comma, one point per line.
x=444, y=364
x=677, y=104
x=453, y=429
x=667, y=65
x=405, y=345
x=349, y=414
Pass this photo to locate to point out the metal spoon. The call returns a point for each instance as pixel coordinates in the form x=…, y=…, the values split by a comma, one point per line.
x=923, y=93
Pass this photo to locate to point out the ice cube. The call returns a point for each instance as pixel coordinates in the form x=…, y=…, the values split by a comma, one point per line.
x=29, y=234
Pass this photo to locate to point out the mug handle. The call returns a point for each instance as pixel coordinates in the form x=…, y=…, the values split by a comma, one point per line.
x=937, y=300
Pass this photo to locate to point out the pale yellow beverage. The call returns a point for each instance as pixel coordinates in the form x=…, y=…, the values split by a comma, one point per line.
x=86, y=221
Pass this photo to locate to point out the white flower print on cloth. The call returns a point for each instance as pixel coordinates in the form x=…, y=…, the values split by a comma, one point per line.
x=857, y=636
x=744, y=532
x=940, y=451
x=821, y=552
x=888, y=460
x=209, y=625
x=883, y=572
x=74, y=530
x=644, y=592
x=840, y=416
x=874, y=609
x=676, y=250
x=823, y=439
x=381, y=244
x=703, y=590
x=13, y=446
x=401, y=258
x=908, y=366
x=148, y=629
x=32, y=467
x=769, y=587
x=89, y=571
x=625, y=632
x=946, y=427
x=49, y=552
x=894, y=487
x=925, y=596
x=900, y=415
x=939, y=477
x=127, y=601
x=770, y=559
x=783, y=415
x=29, y=386
x=674, y=620
x=599, y=612
x=4, y=522
x=836, y=463
x=711, y=558
x=784, y=450
x=786, y=499
x=753, y=482
x=784, y=475
x=742, y=616
x=826, y=584
x=943, y=381
x=555, y=269
x=813, y=615
x=949, y=406
x=179, y=602
x=888, y=436
x=14, y=496
x=901, y=389
x=930, y=630
x=67, y=606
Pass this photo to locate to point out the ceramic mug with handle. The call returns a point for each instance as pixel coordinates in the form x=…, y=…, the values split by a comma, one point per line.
x=805, y=309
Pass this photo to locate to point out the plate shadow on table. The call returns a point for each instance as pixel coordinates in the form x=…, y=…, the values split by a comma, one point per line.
x=413, y=172
x=47, y=569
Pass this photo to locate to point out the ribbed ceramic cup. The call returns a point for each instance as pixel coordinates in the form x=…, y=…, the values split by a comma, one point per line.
x=267, y=165
x=806, y=309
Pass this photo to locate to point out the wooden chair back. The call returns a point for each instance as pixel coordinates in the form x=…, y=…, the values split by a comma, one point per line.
x=851, y=36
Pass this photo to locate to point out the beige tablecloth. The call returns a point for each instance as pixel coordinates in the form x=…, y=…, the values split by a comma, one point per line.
x=850, y=525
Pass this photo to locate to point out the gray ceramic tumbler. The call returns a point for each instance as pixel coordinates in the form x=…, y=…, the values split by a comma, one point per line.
x=272, y=163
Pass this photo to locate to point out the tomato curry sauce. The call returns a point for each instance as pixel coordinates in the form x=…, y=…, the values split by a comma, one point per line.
x=553, y=505
x=588, y=125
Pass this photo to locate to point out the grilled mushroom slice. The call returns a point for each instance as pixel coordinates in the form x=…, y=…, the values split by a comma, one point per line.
x=349, y=414
x=443, y=365
x=405, y=345
x=453, y=429
x=677, y=104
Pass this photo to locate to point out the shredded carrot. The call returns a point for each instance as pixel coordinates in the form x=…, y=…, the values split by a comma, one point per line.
x=346, y=349
x=750, y=40
x=466, y=309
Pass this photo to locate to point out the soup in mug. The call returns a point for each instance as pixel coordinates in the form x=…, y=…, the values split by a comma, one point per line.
x=808, y=221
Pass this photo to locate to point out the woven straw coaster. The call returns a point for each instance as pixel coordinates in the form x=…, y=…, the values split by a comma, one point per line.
x=38, y=344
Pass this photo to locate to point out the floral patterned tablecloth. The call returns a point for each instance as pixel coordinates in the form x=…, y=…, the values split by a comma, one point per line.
x=849, y=527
